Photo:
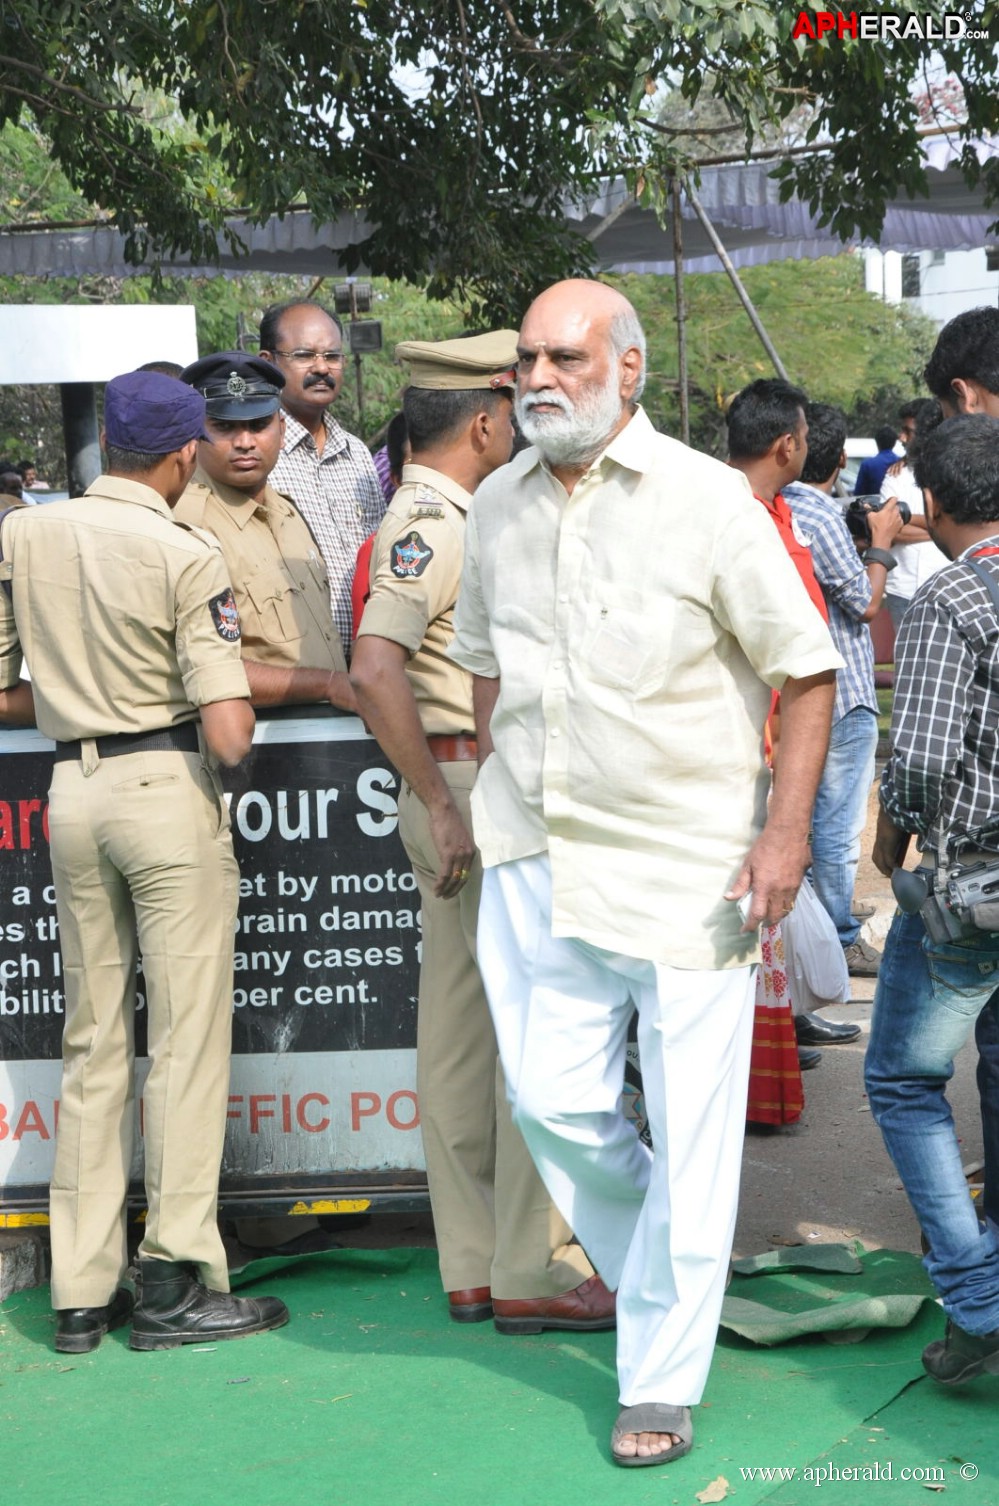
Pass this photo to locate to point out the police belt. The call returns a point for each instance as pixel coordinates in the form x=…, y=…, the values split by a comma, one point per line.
x=452, y=749
x=182, y=738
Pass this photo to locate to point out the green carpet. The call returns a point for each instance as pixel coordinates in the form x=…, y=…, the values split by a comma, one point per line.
x=814, y=1289
x=371, y=1396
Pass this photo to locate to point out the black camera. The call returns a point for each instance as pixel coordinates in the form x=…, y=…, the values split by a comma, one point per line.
x=857, y=520
x=959, y=908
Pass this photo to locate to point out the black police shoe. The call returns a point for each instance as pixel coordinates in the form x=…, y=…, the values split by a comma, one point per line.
x=813, y=1030
x=80, y=1329
x=173, y=1309
x=961, y=1356
x=807, y=1058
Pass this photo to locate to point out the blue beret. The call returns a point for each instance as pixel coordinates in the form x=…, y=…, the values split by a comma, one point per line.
x=236, y=386
x=149, y=412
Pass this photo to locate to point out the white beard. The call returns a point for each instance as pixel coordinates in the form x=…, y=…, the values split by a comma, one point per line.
x=579, y=431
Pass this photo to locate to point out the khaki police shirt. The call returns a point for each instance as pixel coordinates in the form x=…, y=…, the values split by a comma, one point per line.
x=415, y=573
x=126, y=620
x=277, y=573
x=636, y=627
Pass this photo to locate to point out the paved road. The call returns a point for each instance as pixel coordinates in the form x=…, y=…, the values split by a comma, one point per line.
x=828, y=1177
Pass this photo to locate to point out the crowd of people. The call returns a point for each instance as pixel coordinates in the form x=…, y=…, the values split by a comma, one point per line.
x=629, y=693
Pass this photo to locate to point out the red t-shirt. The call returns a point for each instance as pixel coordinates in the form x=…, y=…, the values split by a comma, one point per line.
x=360, y=588
x=799, y=552
x=801, y=557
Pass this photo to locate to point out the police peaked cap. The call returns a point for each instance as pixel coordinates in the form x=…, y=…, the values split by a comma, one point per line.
x=480, y=361
x=235, y=385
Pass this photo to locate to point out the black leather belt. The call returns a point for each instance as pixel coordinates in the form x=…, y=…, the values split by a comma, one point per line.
x=183, y=738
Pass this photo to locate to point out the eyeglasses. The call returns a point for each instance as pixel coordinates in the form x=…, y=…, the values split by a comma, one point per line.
x=310, y=357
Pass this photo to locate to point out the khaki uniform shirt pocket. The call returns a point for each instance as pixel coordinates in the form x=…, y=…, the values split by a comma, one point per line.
x=277, y=608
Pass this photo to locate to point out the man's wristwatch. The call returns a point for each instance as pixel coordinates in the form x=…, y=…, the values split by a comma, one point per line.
x=879, y=557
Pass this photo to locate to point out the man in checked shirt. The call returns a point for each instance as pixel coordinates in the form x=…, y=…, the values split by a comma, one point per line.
x=941, y=784
x=328, y=473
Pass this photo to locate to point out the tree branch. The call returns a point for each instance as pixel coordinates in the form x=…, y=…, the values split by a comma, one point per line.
x=88, y=99
x=466, y=74
x=530, y=44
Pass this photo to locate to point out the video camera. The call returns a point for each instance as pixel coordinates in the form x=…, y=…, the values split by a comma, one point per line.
x=857, y=516
x=963, y=905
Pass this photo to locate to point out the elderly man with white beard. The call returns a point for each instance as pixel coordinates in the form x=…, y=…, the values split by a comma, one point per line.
x=625, y=610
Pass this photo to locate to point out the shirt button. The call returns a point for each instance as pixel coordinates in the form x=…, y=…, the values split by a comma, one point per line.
x=554, y=732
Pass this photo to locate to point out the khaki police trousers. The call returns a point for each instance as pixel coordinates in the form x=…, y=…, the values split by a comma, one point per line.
x=142, y=861
x=496, y=1225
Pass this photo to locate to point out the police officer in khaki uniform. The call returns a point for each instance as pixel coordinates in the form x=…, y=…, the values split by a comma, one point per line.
x=504, y=1250
x=291, y=648
x=131, y=634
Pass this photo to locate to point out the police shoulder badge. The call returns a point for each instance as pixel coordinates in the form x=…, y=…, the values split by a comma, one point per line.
x=426, y=503
x=225, y=616
x=410, y=556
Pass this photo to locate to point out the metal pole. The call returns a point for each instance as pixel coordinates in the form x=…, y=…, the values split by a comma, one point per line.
x=736, y=282
x=610, y=219
x=360, y=390
x=80, y=434
x=354, y=316
x=681, y=313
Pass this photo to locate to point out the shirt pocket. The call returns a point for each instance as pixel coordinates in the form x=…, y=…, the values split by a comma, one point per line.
x=626, y=647
x=278, y=606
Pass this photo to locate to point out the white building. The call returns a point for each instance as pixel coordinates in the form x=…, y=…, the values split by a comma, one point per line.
x=938, y=283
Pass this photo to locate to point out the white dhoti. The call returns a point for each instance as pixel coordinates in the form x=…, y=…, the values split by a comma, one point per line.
x=658, y=1226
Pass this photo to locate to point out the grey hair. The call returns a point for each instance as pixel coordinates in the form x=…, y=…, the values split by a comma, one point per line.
x=626, y=332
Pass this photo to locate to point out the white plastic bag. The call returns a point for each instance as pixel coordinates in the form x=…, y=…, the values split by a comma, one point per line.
x=816, y=962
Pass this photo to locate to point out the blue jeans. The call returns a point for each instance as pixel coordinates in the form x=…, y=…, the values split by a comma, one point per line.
x=987, y=1041
x=929, y=997
x=840, y=814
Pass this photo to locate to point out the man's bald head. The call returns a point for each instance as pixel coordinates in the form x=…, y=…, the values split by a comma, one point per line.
x=580, y=300
x=581, y=369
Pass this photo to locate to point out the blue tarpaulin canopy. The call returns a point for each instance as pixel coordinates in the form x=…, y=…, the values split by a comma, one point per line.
x=741, y=200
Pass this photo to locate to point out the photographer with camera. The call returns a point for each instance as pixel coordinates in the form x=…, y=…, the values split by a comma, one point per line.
x=853, y=586
x=858, y=517
x=918, y=557
x=941, y=958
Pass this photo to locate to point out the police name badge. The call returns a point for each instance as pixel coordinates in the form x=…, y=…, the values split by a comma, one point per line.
x=225, y=616
x=410, y=556
x=426, y=502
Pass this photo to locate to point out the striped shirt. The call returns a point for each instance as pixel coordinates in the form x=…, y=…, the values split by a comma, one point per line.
x=339, y=495
x=846, y=587
x=944, y=766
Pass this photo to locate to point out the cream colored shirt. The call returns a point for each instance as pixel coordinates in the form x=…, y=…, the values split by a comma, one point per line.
x=636, y=628
x=415, y=573
x=126, y=619
x=277, y=573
